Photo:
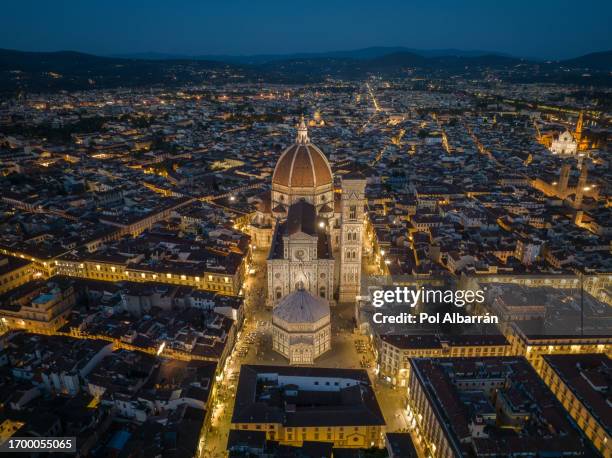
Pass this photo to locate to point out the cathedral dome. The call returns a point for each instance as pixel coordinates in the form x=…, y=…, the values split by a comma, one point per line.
x=302, y=165
x=301, y=307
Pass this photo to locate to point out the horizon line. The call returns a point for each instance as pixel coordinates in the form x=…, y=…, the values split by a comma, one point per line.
x=398, y=48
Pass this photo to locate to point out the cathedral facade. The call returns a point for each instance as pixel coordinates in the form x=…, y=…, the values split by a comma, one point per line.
x=565, y=144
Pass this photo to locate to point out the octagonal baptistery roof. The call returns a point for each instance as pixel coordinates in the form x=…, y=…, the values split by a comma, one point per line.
x=301, y=307
x=302, y=165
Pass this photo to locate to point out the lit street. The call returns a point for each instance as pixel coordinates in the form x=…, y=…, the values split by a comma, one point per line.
x=254, y=346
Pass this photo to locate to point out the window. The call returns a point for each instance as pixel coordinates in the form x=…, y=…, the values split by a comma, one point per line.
x=352, y=212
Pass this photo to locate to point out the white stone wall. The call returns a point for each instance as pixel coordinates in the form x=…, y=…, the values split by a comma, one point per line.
x=351, y=238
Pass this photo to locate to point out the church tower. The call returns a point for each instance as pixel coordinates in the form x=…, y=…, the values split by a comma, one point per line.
x=579, y=123
x=353, y=201
x=582, y=180
x=563, y=180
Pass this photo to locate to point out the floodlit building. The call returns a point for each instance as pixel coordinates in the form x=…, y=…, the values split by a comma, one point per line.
x=301, y=256
x=38, y=306
x=309, y=226
x=14, y=272
x=301, y=327
x=395, y=351
x=582, y=384
x=564, y=144
x=296, y=404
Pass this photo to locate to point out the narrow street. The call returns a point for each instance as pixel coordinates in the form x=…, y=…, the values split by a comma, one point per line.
x=247, y=346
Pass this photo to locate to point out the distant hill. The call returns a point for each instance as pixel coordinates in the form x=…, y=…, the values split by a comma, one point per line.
x=152, y=56
x=65, y=60
x=69, y=70
x=595, y=60
x=49, y=61
x=359, y=54
x=404, y=59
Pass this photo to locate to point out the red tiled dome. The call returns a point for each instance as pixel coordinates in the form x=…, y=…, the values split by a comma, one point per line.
x=302, y=165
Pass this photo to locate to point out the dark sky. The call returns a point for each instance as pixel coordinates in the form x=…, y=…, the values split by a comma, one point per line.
x=531, y=28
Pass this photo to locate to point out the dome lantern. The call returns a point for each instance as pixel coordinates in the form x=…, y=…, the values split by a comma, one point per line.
x=302, y=133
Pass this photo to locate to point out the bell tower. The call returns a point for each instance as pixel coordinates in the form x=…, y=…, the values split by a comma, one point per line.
x=563, y=180
x=353, y=202
x=580, y=187
x=579, y=125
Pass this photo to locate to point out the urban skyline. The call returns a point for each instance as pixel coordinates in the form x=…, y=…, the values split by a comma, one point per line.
x=371, y=253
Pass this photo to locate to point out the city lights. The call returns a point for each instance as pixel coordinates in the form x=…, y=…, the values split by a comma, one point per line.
x=214, y=245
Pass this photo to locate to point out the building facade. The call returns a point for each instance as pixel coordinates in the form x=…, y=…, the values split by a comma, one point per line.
x=301, y=256
x=564, y=145
x=581, y=384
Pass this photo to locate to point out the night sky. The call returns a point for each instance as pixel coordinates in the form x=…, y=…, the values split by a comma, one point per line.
x=542, y=29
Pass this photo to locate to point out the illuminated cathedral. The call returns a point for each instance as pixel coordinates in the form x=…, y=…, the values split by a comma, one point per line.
x=315, y=246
